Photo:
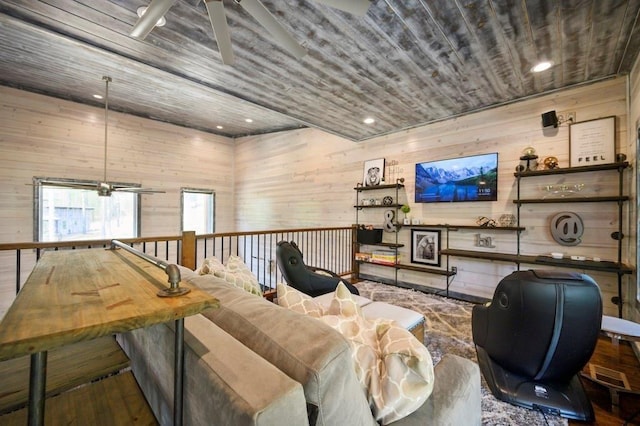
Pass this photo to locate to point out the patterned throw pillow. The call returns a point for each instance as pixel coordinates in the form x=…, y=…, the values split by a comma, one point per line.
x=297, y=301
x=391, y=364
x=235, y=272
x=209, y=265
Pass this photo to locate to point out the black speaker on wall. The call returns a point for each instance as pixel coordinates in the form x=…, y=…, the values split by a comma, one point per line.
x=549, y=118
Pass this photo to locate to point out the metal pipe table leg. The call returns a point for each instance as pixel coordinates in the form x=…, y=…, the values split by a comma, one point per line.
x=37, y=384
x=178, y=372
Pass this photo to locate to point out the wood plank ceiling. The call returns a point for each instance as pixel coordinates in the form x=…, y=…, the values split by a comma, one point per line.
x=405, y=63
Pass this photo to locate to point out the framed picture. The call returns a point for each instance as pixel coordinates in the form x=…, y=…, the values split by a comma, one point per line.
x=373, y=172
x=592, y=142
x=425, y=246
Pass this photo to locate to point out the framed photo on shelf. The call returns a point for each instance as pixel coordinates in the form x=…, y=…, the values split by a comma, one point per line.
x=592, y=142
x=425, y=246
x=373, y=172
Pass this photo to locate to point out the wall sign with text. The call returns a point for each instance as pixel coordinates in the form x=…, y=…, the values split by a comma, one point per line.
x=592, y=142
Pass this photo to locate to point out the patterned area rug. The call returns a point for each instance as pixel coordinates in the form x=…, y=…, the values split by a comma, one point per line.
x=448, y=330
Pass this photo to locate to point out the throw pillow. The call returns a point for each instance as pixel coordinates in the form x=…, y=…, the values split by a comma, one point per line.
x=394, y=368
x=297, y=301
x=209, y=265
x=235, y=272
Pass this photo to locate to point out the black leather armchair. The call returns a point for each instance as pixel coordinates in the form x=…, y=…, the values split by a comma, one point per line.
x=303, y=277
x=535, y=336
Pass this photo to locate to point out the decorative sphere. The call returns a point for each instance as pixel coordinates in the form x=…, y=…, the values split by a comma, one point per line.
x=529, y=151
x=551, y=163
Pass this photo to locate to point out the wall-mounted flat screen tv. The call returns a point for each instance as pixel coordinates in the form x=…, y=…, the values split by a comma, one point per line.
x=473, y=178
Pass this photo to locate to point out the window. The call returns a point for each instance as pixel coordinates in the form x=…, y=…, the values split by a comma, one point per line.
x=198, y=210
x=66, y=213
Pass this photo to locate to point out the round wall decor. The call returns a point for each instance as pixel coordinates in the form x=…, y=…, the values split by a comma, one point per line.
x=567, y=228
x=387, y=201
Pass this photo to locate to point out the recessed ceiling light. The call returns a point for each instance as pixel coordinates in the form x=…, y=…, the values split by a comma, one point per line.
x=97, y=96
x=219, y=127
x=141, y=10
x=542, y=66
x=369, y=120
x=248, y=120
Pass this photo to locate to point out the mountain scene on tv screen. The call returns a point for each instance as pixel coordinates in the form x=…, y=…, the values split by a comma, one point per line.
x=453, y=181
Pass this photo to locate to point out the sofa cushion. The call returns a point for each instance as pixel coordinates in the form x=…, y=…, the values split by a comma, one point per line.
x=214, y=391
x=394, y=367
x=315, y=355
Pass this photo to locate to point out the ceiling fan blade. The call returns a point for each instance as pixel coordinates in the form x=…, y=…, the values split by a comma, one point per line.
x=267, y=20
x=355, y=7
x=155, y=11
x=139, y=190
x=68, y=185
x=215, y=9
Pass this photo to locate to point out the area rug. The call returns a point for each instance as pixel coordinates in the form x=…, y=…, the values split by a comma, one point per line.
x=448, y=330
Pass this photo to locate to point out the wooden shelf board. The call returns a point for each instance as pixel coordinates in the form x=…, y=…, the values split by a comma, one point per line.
x=116, y=400
x=603, y=266
x=389, y=206
x=568, y=170
x=388, y=186
x=410, y=268
x=504, y=257
x=571, y=200
x=67, y=367
x=456, y=227
x=392, y=245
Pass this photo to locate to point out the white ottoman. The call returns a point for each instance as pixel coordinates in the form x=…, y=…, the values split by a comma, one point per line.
x=411, y=320
x=325, y=299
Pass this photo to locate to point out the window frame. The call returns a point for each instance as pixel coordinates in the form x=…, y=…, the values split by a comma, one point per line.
x=40, y=182
x=207, y=191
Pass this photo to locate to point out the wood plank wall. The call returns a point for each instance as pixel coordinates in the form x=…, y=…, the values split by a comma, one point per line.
x=634, y=141
x=306, y=178
x=43, y=136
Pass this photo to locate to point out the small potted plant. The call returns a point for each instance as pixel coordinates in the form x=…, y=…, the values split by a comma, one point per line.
x=406, y=209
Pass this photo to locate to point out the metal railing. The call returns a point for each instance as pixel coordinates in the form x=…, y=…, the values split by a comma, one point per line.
x=327, y=248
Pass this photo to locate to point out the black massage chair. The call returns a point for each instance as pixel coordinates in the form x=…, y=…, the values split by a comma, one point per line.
x=535, y=336
x=306, y=279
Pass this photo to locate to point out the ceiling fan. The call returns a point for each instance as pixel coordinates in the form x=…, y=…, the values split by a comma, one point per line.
x=103, y=187
x=215, y=8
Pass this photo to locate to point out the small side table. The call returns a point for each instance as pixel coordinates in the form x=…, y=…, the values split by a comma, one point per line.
x=617, y=329
x=620, y=329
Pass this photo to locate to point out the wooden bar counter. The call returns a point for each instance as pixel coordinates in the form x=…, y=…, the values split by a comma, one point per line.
x=77, y=295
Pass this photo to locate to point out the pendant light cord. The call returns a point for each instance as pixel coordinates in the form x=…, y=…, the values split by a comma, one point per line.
x=106, y=121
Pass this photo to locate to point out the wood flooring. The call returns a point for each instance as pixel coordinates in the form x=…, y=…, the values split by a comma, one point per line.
x=620, y=358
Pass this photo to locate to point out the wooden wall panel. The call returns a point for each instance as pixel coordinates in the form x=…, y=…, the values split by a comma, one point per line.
x=306, y=178
x=42, y=136
x=633, y=140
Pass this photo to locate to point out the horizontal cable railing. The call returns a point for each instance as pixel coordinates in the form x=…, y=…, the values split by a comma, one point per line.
x=327, y=248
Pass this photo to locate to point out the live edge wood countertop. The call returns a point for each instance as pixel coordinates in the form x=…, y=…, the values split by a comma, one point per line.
x=76, y=295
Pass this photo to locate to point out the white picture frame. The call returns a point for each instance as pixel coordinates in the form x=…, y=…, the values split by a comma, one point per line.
x=373, y=174
x=592, y=142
